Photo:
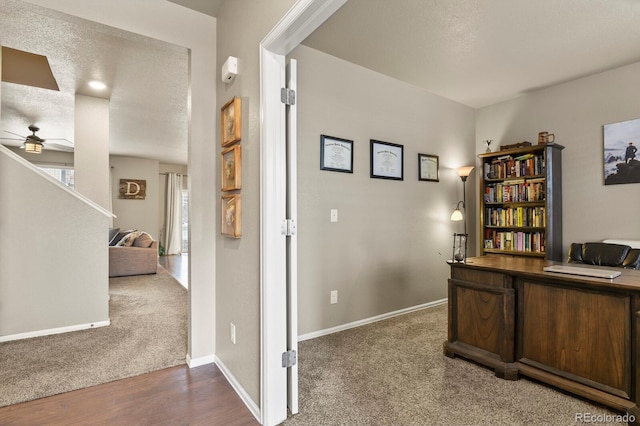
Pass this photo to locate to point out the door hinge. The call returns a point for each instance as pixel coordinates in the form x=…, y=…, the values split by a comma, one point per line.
x=288, y=96
x=288, y=227
x=289, y=359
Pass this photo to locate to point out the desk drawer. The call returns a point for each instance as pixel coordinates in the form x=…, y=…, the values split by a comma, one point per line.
x=486, y=278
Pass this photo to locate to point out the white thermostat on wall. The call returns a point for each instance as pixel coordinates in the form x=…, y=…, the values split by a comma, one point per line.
x=229, y=69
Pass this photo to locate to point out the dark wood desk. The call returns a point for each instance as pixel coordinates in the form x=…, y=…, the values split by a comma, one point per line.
x=573, y=332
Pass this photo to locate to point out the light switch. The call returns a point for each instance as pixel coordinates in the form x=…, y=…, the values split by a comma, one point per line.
x=334, y=215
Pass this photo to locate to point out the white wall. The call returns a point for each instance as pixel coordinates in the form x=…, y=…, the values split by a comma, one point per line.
x=242, y=25
x=576, y=112
x=136, y=214
x=389, y=248
x=91, y=149
x=53, y=254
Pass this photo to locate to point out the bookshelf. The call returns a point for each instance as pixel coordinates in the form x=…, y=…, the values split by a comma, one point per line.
x=521, y=202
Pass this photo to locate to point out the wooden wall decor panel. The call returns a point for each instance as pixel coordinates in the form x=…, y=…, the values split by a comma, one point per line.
x=578, y=332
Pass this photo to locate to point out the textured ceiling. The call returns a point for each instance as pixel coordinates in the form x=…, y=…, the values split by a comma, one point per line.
x=476, y=52
x=480, y=52
x=147, y=81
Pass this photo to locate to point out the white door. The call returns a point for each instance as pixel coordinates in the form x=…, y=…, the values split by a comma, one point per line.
x=292, y=239
x=300, y=21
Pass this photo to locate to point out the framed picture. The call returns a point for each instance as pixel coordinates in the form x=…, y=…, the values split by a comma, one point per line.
x=428, y=166
x=336, y=154
x=231, y=122
x=133, y=189
x=387, y=160
x=231, y=216
x=621, y=141
x=231, y=168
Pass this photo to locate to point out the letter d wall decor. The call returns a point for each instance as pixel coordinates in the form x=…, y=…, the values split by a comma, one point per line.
x=132, y=189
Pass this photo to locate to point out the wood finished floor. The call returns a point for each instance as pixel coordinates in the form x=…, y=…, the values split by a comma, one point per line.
x=173, y=396
x=177, y=266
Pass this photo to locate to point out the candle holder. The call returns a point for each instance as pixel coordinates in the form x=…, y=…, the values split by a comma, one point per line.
x=459, y=248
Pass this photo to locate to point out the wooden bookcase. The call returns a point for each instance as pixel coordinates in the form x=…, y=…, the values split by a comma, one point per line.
x=521, y=202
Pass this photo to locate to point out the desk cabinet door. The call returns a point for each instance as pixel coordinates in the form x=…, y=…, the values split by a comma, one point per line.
x=578, y=334
x=482, y=317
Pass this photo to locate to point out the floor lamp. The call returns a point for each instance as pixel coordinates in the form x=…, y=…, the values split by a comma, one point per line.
x=460, y=240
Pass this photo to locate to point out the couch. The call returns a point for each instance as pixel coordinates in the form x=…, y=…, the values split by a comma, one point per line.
x=132, y=253
x=605, y=254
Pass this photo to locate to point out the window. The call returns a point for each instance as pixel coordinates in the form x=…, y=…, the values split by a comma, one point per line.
x=63, y=174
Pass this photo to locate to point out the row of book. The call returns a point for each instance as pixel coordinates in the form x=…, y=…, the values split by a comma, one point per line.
x=514, y=191
x=515, y=216
x=506, y=166
x=515, y=241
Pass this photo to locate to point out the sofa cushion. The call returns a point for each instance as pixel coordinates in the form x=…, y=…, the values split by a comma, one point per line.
x=144, y=240
x=127, y=240
x=604, y=254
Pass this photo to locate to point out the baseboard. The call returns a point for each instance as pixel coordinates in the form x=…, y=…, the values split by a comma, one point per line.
x=370, y=320
x=244, y=396
x=203, y=360
x=51, y=331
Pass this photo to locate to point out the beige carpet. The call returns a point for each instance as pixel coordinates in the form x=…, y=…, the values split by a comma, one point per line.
x=393, y=372
x=148, y=332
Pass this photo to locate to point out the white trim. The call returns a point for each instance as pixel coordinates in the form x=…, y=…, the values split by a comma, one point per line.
x=370, y=320
x=47, y=176
x=51, y=331
x=201, y=360
x=244, y=396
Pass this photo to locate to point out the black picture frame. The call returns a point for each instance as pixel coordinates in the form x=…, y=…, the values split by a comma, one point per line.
x=428, y=167
x=387, y=160
x=336, y=154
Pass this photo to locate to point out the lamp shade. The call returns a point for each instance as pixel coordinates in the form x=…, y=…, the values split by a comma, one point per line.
x=33, y=147
x=464, y=171
x=456, y=216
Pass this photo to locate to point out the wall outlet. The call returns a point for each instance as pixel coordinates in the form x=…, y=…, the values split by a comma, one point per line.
x=334, y=296
x=232, y=333
x=334, y=215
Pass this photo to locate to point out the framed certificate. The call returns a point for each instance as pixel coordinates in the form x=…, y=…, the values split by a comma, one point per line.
x=336, y=154
x=428, y=166
x=387, y=160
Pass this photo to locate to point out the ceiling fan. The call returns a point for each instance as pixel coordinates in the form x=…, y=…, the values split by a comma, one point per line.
x=34, y=144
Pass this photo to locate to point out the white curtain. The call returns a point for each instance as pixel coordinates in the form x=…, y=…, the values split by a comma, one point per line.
x=172, y=240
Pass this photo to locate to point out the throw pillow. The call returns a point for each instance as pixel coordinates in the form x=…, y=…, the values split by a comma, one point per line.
x=119, y=236
x=127, y=240
x=112, y=234
x=144, y=240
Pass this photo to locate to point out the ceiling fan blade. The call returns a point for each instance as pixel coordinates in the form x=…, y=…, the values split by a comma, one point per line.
x=12, y=139
x=66, y=141
x=58, y=147
x=15, y=134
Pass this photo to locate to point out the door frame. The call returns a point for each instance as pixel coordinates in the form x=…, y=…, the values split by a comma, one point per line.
x=300, y=21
